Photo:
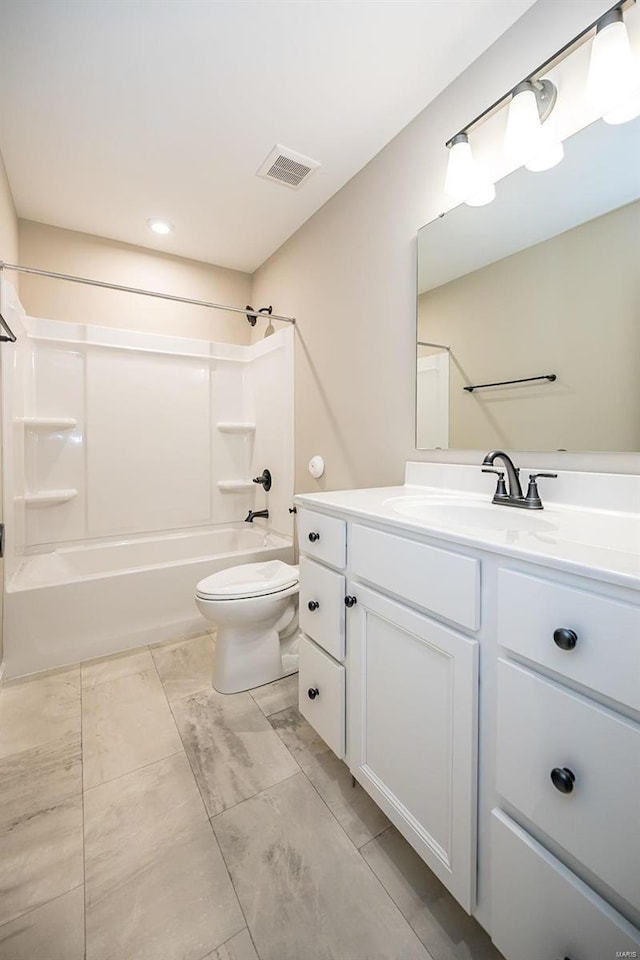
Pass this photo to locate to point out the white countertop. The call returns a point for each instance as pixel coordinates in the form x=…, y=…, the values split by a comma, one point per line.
x=596, y=543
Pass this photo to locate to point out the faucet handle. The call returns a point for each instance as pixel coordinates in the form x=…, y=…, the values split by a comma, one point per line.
x=501, y=489
x=533, y=497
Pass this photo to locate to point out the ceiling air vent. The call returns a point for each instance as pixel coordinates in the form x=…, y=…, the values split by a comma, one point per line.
x=287, y=167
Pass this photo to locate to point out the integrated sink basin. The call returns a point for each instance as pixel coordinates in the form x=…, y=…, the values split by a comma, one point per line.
x=474, y=514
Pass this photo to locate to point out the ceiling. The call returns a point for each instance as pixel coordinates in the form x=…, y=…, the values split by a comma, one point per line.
x=114, y=112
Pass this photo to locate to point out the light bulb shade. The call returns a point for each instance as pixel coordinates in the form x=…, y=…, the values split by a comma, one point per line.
x=485, y=195
x=549, y=151
x=612, y=72
x=628, y=109
x=523, y=126
x=462, y=176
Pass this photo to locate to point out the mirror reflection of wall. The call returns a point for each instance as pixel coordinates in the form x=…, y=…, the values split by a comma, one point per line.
x=546, y=280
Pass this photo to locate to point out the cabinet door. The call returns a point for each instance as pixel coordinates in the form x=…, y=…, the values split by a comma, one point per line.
x=412, y=730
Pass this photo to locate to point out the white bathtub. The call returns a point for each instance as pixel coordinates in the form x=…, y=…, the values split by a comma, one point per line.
x=95, y=599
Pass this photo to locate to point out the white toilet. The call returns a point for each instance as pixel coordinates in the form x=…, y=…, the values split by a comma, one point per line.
x=255, y=609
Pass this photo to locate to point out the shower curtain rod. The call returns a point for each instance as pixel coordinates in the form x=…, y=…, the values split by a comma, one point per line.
x=246, y=311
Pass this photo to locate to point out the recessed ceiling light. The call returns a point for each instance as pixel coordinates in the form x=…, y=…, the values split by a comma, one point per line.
x=160, y=226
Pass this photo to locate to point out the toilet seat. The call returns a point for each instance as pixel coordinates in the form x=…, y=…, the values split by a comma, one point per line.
x=248, y=580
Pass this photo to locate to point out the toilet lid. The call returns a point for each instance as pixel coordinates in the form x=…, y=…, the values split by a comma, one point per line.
x=248, y=580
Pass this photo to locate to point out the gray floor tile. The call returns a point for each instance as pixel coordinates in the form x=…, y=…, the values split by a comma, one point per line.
x=157, y=887
x=40, y=826
x=352, y=806
x=185, y=667
x=304, y=888
x=443, y=926
x=278, y=695
x=33, y=712
x=114, y=667
x=232, y=747
x=54, y=931
x=239, y=947
x=126, y=724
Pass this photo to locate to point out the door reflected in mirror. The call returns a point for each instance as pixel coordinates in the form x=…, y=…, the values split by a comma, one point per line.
x=534, y=302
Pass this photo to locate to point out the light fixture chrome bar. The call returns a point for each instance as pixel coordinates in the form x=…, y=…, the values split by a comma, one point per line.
x=545, y=67
x=146, y=293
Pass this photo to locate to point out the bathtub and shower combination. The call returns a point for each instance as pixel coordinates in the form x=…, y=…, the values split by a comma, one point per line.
x=117, y=503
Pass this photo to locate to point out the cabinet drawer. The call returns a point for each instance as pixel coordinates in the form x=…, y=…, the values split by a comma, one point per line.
x=540, y=909
x=542, y=727
x=322, y=537
x=321, y=694
x=322, y=606
x=438, y=580
x=606, y=655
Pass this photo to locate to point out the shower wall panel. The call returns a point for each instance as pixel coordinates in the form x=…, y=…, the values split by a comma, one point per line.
x=110, y=433
x=148, y=442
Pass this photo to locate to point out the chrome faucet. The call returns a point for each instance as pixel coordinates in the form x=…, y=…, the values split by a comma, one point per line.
x=513, y=497
x=250, y=517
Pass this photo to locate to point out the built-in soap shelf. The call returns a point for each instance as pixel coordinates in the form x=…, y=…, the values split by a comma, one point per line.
x=47, y=498
x=235, y=486
x=47, y=423
x=230, y=426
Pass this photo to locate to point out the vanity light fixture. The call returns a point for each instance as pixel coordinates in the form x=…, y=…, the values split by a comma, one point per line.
x=160, y=226
x=531, y=139
x=613, y=84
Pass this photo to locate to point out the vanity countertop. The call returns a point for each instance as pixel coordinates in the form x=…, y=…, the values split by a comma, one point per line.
x=601, y=544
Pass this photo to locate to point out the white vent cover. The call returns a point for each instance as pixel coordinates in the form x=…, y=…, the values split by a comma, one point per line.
x=287, y=167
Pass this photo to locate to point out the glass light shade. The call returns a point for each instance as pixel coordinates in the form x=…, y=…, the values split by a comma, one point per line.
x=629, y=108
x=549, y=151
x=612, y=72
x=462, y=175
x=523, y=127
x=486, y=191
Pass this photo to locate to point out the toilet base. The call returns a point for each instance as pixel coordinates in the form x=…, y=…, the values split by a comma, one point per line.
x=244, y=659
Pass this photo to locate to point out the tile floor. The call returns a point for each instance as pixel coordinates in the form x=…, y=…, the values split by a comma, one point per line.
x=144, y=815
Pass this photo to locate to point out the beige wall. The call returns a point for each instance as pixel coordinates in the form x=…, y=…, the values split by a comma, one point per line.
x=586, y=332
x=8, y=222
x=8, y=253
x=80, y=254
x=349, y=276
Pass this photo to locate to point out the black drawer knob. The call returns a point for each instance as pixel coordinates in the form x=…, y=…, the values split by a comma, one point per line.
x=350, y=601
x=313, y=692
x=563, y=779
x=564, y=638
x=313, y=605
x=314, y=537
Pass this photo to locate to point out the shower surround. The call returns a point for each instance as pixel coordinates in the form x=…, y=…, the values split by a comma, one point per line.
x=128, y=466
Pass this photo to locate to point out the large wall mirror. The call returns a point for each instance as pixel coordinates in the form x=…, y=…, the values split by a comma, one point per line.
x=542, y=283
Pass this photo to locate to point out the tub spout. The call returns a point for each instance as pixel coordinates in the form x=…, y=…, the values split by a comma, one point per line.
x=256, y=513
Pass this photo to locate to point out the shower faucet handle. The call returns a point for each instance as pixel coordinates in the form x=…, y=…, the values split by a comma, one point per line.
x=264, y=479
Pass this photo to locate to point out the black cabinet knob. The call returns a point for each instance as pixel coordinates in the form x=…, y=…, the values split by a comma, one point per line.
x=564, y=638
x=350, y=601
x=313, y=605
x=314, y=537
x=313, y=692
x=563, y=779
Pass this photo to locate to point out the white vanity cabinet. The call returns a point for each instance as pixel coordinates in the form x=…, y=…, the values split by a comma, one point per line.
x=411, y=680
x=321, y=672
x=484, y=688
x=566, y=833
